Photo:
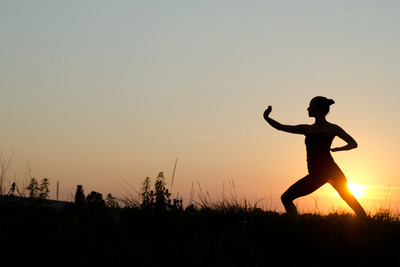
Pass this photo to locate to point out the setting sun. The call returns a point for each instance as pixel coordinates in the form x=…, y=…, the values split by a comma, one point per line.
x=357, y=190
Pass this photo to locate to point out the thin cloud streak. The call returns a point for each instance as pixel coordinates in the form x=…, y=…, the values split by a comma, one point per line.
x=204, y=137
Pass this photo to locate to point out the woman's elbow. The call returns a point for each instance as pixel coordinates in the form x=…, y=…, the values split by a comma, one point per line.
x=355, y=145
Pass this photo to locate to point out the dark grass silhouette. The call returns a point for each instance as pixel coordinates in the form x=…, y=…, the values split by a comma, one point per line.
x=150, y=234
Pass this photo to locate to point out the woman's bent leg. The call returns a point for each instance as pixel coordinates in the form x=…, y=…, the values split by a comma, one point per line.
x=341, y=186
x=303, y=187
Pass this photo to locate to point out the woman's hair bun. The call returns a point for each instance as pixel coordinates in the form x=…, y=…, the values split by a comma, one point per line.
x=323, y=102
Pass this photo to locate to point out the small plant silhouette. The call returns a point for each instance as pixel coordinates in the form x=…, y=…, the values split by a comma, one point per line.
x=38, y=191
x=162, y=194
x=33, y=188
x=147, y=194
x=44, y=189
x=160, y=197
x=111, y=201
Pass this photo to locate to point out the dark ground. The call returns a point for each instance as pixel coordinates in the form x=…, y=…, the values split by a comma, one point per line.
x=99, y=236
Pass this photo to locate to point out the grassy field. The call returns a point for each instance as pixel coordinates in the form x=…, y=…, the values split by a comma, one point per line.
x=218, y=235
x=149, y=228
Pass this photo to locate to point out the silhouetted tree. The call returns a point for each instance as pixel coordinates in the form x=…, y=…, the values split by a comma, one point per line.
x=79, y=196
x=95, y=199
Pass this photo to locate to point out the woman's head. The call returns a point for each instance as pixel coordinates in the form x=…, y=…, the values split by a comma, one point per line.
x=320, y=104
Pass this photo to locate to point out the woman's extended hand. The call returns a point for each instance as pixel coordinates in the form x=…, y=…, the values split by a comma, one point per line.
x=267, y=112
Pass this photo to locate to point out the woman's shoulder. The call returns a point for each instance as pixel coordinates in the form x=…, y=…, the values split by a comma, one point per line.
x=328, y=128
x=335, y=129
x=306, y=128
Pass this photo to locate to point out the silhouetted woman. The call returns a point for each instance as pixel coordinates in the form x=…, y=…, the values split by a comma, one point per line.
x=321, y=167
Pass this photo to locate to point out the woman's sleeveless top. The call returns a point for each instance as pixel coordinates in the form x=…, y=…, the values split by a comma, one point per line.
x=318, y=147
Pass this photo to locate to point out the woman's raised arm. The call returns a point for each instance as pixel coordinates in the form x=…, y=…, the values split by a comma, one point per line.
x=295, y=129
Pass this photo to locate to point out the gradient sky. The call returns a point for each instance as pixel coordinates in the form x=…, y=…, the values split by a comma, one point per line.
x=101, y=92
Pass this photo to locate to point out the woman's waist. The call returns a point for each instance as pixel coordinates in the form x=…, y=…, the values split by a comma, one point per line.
x=320, y=162
x=319, y=155
x=320, y=159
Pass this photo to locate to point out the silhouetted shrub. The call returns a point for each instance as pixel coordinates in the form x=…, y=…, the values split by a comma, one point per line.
x=111, y=201
x=95, y=199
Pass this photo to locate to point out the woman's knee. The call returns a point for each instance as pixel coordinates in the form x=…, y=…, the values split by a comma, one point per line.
x=286, y=199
